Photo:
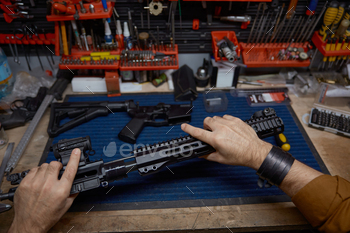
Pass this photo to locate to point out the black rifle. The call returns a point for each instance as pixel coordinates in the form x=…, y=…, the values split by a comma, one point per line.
x=23, y=112
x=147, y=160
x=142, y=116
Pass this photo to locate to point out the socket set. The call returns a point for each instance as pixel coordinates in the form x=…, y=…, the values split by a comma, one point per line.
x=330, y=121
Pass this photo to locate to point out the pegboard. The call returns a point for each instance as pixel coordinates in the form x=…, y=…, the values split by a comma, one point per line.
x=188, y=40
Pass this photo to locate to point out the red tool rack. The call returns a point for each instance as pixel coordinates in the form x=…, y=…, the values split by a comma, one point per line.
x=41, y=39
x=321, y=46
x=168, y=62
x=76, y=54
x=99, y=12
x=266, y=55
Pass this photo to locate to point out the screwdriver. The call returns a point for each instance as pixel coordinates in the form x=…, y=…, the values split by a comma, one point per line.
x=333, y=46
x=312, y=7
x=340, y=46
x=64, y=38
x=339, y=16
x=328, y=18
x=345, y=46
x=282, y=141
x=347, y=15
x=328, y=46
x=337, y=48
x=341, y=31
x=291, y=8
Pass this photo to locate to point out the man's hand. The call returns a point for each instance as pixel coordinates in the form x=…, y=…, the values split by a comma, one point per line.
x=41, y=199
x=235, y=142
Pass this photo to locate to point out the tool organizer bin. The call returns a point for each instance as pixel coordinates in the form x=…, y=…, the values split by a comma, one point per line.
x=219, y=35
x=46, y=39
x=260, y=55
x=99, y=12
x=330, y=111
x=330, y=120
x=321, y=46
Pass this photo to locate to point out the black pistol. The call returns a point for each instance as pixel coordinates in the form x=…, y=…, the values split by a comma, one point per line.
x=23, y=112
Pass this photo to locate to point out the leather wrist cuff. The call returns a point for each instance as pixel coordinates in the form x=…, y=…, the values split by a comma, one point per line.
x=275, y=167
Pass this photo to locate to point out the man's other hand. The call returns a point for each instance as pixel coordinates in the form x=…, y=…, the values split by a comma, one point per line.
x=235, y=142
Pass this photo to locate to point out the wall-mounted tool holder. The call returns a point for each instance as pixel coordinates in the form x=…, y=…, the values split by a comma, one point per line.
x=46, y=39
x=275, y=55
x=320, y=44
x=163, y=57
x=71, y=13
x=13, y=10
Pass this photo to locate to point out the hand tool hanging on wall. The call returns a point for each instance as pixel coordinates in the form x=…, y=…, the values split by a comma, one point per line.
x=291, y=8
x=64, y=38
x=11, y=49
x=264, y=7
x=276, y=25
x=53, y=61
x=329, y=17
x=256, y=18
x=18, y=32
x=245, y=20
x=287, y=26
x=338, y=18
x=31, y=31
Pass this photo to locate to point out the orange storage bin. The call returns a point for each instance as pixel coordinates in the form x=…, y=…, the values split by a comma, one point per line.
x=219, y=35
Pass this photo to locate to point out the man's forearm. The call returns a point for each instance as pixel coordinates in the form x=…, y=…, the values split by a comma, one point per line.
x=298, y=176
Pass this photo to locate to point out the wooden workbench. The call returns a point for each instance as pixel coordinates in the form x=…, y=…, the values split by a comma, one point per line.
x=334, y=150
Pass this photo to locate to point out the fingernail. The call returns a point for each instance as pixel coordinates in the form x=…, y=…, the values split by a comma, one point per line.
x=183, y=126
x=76, y=151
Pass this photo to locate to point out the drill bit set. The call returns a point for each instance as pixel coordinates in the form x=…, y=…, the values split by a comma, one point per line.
x=331, y=121
x=149, y=60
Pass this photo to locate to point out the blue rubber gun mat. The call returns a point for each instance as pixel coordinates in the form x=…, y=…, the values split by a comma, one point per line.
x=191, y=183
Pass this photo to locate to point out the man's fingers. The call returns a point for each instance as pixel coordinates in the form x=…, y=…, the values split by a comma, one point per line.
x=53, y=170
x=70, y=200
x=212, y=157
x=201, y=134
x=31, y=173
x=71, y=169
x=40, y=173
x=221, y=120
x=210, y=123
